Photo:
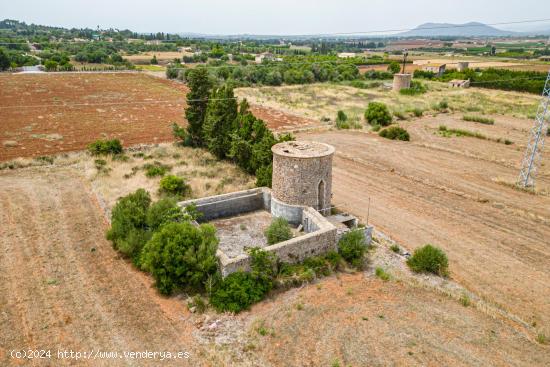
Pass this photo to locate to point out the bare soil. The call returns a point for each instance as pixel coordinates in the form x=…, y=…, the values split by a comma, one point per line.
x=62, y=286
x=455, y=193
x=82, y=107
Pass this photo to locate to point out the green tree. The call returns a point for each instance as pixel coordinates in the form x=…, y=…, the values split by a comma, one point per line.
x=154, y=60
x=129, y=230
x=50, y=65
x=394, y=67
x=181, y=256
x=219, y=122
x=377, y=113
x=200, y=86
x=4, y=59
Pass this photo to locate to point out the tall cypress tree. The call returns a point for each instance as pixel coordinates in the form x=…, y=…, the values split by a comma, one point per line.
x=219, y=122
x=197, y=101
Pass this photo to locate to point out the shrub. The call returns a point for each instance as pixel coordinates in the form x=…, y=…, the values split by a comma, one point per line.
x=263, y=264
x=352, y=247
x=105, y=147
x=542, y=339
x=417, y=112
x=443, y=105
x=480, y=119
x=129, y=231
x=376, y=128
x=156, y=169
x=416, y=88
x=174, y=185
x=382, y=274
x=162, y=212
x=429, y=259
x=278, y=231
x=181, y=256
x=238, y=291
x=395, y=133
x=395, y=248
x=465, y=300
x=341, y=115
x=378, y=113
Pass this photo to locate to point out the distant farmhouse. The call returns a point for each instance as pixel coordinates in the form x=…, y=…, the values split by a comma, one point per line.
x=457, y=83
x=266, y=56
x=346, y=55
x=438, y=69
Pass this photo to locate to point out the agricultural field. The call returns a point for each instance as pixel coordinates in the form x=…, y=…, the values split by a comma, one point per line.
x=453, y=191
x=79, y=285
x=44, y=114
x=457, y=193
x=162, y=56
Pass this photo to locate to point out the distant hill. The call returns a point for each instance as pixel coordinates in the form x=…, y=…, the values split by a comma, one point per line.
x=472, y=29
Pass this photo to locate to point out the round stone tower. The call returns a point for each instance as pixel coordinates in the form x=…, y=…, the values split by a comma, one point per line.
x=401, y=81
x=302, y=176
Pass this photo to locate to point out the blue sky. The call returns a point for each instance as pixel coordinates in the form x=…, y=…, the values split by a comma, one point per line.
x=270, y=17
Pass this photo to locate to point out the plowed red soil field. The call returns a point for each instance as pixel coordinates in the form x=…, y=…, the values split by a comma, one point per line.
x=44, y=114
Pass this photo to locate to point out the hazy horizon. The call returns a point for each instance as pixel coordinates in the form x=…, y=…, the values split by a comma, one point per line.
x=283, y=17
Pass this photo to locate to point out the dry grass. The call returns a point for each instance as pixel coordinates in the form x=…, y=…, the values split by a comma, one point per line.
x=324, y=100
x=206, y=175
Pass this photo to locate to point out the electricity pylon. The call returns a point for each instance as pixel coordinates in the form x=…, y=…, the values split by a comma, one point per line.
x=533, y=153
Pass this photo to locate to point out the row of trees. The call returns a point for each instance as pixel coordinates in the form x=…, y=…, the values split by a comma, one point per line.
x=226, y=129
x=503, y=79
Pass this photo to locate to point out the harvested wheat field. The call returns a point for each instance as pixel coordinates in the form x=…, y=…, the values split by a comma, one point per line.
x=456, y=193
x=46, y=113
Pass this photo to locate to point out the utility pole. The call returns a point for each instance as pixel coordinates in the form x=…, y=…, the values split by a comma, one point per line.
x=533, y=153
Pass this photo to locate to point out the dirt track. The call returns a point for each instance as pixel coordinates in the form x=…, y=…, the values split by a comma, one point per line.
x=444, y=191
x=62, y=286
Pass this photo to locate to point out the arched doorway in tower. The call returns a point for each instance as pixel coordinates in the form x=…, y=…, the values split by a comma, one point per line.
x=321, y=202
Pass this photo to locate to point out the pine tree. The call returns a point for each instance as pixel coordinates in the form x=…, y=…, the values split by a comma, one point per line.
x=219, y=122
x=197, y=101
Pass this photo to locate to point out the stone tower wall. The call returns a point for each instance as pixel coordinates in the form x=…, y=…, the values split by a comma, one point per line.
x=296, y=180
x=401, y=81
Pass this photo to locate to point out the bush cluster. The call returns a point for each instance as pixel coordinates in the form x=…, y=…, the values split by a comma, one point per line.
x=429, y=259
x=377, y=113
x=181, y=256
x=159, y=238
x=105, y=147
x=156, y=169
x=174, y=186
x=395, y=133
x=353, y=246
x=278, y=231
x=239, y=290
x=416, y=88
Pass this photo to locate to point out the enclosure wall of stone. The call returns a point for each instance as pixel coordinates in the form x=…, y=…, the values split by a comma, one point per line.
x=302, y=174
